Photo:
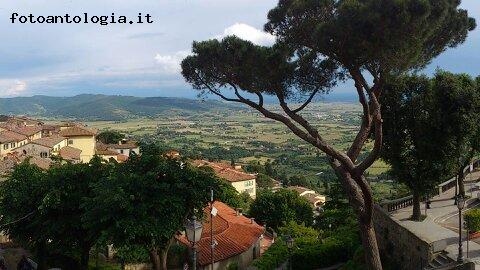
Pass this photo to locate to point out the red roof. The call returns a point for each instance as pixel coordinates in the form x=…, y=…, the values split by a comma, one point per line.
x=10, y=136
x=77, y=131
x=49, y=141
x=70, y=153
x=225, y=171
x=234, y=234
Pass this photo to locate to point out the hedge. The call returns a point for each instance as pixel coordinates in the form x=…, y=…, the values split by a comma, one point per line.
x=311, y=253
x=472, y=220
x=332, y=250
x=275, y=255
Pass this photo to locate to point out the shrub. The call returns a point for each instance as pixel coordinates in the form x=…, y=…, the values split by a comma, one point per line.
x=310, y=252
x=317, y=254
x=472, y=220
x=276, y=255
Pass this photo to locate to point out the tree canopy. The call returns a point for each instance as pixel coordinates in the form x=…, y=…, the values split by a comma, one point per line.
x=320, y=43
x=276, y=209
x=430, y=124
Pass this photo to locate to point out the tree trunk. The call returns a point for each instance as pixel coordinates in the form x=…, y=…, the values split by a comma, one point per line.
x=163, y=258
x=41, y=257
x=155, y=259
x=369, y=242
x=416, y=214
x=461, y=185
x=84, y=258
x=360, y=198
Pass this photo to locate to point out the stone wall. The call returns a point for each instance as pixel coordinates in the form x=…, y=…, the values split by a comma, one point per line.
x=399, y=246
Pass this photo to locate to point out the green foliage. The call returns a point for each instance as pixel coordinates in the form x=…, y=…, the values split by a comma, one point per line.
x=110, y=137
x=264, y=181
x=276, y=209
x=298, y=180
x=275, y=256
x=430, y=125
x=132, y=254
x=295, y=230
x=130, y=201
x=343, y=30
x=332, y=250
x=472, y=220
x=330, y=219
x=458, y=97
x=55, y=200
x=310, y=252
x=357, y=262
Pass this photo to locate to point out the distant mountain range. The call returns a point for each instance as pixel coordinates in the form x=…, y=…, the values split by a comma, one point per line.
x=104, y=107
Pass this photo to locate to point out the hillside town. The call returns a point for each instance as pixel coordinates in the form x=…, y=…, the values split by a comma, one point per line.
x=238, y=239
x=24, y=138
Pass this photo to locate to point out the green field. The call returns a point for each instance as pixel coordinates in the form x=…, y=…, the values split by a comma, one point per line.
x=245, y=136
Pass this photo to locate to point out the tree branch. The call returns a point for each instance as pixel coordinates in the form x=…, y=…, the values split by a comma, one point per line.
x=362, y=135
x=377, y=118
x=308, y=101
x=319, y=142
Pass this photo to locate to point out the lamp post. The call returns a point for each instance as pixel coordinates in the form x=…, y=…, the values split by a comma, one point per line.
x=460, y=206
x=289, y=241
x=193, y=230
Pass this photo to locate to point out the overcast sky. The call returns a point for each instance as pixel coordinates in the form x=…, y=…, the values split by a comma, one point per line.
x=141, y=59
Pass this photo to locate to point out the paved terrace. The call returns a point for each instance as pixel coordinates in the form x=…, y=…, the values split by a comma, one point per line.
x=442, y=221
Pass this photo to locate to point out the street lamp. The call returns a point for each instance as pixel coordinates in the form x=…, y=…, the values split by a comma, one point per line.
x=289, y=241
x=460, y=206
x=193, y=230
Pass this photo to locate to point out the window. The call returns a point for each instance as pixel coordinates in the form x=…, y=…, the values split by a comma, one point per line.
x=12, y=145
x=5, y=146
x=43, y=154
x=121, y=151
x=70, y=142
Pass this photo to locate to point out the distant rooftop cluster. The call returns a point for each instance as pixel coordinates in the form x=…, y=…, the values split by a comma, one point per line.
x=24, y=138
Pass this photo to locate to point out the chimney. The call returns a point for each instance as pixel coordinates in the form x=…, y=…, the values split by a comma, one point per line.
x=239, y=211
x=251, y=220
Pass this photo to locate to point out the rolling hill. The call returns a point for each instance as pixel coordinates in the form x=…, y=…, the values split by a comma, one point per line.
x=104, y=107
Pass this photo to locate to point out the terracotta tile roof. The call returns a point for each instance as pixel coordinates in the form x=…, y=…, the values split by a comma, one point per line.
x=225, y=171
x=77, y=131
x=234, y=234
x=49, y=141
x=70, y=153
x=42, y=163
x=122, y=158
x=9, y=162
x=27, y=131
x=106, y=152
x=127, y=145
x=6, y=166
x=10, y=136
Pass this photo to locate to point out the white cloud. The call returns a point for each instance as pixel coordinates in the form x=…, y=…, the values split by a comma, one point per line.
x=11, y=88
x=170, y=63
x=250, y=33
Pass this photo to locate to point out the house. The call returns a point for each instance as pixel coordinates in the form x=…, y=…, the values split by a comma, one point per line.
x=43, y=147
x=103, y=151
x=10, y=140
x=70, y=154
x=312, y=196
x=125, y=147
x=32, y=132
x=240, y=180
x=237, y=239
x=81, y=138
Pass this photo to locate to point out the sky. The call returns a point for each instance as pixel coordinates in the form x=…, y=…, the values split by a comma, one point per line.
x=142, y=59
